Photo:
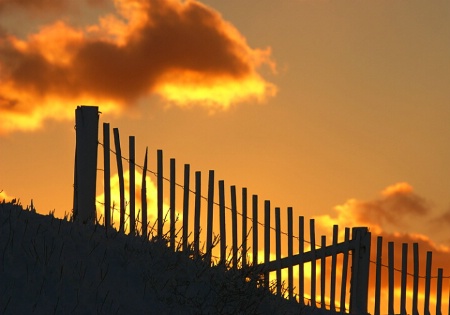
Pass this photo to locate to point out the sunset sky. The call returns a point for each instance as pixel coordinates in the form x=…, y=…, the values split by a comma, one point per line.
x=340, y=109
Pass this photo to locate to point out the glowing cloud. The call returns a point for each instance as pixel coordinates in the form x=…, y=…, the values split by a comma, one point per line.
x=394, y=208
x=181, y=50
x=394, y=215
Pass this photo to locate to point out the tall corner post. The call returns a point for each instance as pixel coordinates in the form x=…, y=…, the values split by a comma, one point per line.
x=360, y=271
x=85, y=175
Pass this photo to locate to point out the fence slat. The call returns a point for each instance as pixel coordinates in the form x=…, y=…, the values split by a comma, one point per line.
x=427, y=284
x=301, y=266
x=290, y=254
x=448, y=312
x=266, y=239
x=378, y=275
x=333, y=269
x=160, y=192
x=255, y=228
x=234, y=226
x=344, y=271
x=439, y=292
x=172, y=185
x=198, y=196
x=107, y=175
x=359, y=244
x=391, y=278
x=186, y=206
x=209, y=230
x=323, y=272
x=312, y=235
x=144, y=197
x=223, y=237
x=121, y=180
x=132, y=184
x=415, y=308
x=244, y=227
x=403, y=283
x=278, y=247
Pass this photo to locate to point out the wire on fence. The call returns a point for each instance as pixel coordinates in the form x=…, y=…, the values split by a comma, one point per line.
x=249, y=218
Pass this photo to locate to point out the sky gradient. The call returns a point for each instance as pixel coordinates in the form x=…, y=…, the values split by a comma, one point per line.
x=337, y=108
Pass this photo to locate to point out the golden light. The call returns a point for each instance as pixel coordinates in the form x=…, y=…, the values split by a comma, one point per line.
x=55, y=42
x=47, y=73
x=118, y=28
x=4, y=196
x=398, y=188
x=187, y=88
x=152, y=213
x=27, y=117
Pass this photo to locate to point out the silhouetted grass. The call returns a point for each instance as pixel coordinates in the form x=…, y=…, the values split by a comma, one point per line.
x=54, y=266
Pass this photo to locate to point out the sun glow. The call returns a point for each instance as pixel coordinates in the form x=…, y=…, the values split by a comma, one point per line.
x=50, y=107
x=151, y=192
x=187, y=88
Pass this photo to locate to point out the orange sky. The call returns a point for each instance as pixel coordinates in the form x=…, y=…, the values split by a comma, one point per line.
x=339, y=109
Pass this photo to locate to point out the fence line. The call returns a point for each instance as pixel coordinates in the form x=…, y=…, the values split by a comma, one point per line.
x=357, y=245
x=250, y=218
x=272, y=264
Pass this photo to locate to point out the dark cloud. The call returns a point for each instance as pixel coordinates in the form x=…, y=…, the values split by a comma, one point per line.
x=34, y=5
x=396, y=202
x=396, y=207
x=442, y=220
x=190, y=40
x=154, y=46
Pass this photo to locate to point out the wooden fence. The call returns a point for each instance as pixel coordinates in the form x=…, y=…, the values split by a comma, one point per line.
x=341, y=266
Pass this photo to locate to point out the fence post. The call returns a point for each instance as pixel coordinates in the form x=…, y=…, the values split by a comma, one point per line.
x=255, y=228
x=312, y=234
x=86, y=121
x=301, y=267
x=244, y=227
x=266, y=240
x=344, y=271
x=209, y=231
x=121, y=179
x=378, y=275
x=172, y=202
x=323, y=267
x=132, y=185
x=223, y=236
x=160, y=192
x=426, y=303
x=107, y=175
x=415, y=309
x=404, y=274
x=198, y=196
x=290, y=254
x=234, y=231
x=144, y=196
x=439, y=292
x=333, y=269
x=360, y=271
x=186, y=206
x=391, y=283
x=278, y=247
